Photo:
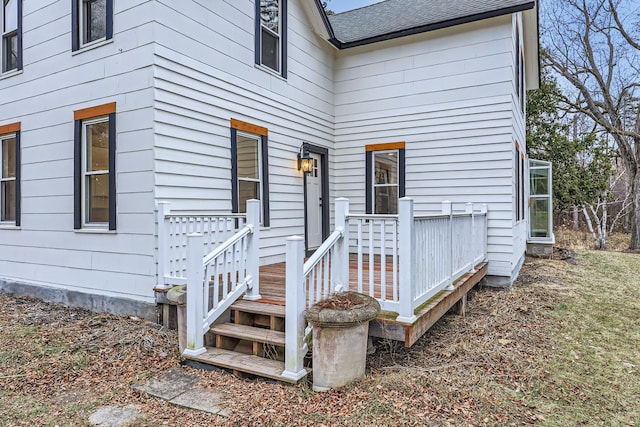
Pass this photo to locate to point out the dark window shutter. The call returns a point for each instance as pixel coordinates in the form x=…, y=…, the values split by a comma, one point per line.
x=19, y=37
x=75, y=27
x=109, y=11
x=112, y=172
x=18, y=177
x=369, y=182
x=258, y=42
x=266, y=220
x=77, y=175
x=401, y=173
x=235, y=205
x=283, y=20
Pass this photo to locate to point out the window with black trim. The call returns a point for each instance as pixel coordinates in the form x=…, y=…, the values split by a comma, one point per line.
x=10, y=175
x=271, y=35
x=11, y=44
x=249, y=167
x=92, y=22
x=519, y=183
x=95, y=174
x=385, y=181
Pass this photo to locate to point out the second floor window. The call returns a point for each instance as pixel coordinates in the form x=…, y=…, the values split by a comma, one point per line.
x=10, y=21
x=271, y=34
x=93, y=22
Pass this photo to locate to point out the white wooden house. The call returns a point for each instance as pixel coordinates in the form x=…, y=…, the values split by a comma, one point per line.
x=109, y=110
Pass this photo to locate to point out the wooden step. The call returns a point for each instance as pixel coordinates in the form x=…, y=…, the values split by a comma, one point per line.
x=249, y=333
x=259, y=308
x=253, y=365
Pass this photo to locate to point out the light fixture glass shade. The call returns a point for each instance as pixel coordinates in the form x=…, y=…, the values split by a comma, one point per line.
x=306, y=164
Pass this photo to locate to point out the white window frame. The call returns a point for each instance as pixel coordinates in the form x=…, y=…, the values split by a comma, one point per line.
x=3, y=138
x=278, y=35
x=258, y=140
x=86, y=174
x=82, y=24
x=373, y=178
x=4, y=34
x=535, y=165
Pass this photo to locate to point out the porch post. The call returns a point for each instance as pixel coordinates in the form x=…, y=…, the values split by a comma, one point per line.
x=295, y=324
x=164, y=209
x=407, y=240
x=253, y=250
x=195, y=283
x=341, y=263
x=468, y=208
x=485, y=235
x=447, y=209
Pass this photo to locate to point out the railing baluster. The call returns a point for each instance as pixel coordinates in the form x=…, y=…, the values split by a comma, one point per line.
x=395, y=260
x=359, y=249
x=371, y=258
x=383, y=261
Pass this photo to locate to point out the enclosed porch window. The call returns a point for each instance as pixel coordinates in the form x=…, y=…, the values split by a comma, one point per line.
x=540, y=201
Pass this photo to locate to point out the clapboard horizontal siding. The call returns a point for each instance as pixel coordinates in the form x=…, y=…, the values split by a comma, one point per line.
x=204, y=76
x=448, y=96
x=53, y=84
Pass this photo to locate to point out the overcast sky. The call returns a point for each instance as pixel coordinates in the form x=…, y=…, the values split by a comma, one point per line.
x=342, y=5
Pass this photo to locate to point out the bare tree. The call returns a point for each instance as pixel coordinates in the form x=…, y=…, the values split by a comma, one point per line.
x=595, y=46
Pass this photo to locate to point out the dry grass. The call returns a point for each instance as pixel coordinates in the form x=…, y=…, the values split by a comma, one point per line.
x=582, y=240
x=561, y=349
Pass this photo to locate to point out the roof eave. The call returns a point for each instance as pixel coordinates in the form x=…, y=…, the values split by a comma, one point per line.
x=436, y=25
x=531, y=35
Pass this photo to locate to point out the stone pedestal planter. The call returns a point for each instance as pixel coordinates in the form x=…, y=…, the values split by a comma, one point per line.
x=178, y=296
x=340, y=331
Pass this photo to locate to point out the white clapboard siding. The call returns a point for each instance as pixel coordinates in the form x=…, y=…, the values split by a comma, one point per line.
x=449, y=95
x=53, y=84
x=205, y=75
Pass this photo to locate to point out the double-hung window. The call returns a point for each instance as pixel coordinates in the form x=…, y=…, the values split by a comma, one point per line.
x=385, y=177
x=249, y=167
x=11, y=25
x=10, y=174
x=271, y=35
x=95, y=145
x=92, y=22
x=520, y=169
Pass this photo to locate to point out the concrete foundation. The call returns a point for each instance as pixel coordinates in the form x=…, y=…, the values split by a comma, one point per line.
x=540, y=250
x=97, y=303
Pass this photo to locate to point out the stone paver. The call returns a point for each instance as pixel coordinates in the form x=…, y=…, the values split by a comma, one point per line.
x=168, y=385
x=113, y=416
x=201, y=399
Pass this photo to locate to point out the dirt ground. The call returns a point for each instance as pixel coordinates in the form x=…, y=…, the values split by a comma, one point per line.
x=494, y=366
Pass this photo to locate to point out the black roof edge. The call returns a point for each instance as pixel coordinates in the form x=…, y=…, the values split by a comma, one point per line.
x=428, y=27
x=327, y=24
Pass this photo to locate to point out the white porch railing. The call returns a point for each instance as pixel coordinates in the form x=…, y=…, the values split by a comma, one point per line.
x=425, y=254
x=217, y=280
x=173, y=228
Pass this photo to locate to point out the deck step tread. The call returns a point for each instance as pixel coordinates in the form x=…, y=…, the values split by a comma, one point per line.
x=247, y=363
x=249, y=333
x=259, y=308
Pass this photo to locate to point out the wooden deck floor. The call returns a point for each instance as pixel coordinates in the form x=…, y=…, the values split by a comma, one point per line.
x=272, y=278
x=272, y=290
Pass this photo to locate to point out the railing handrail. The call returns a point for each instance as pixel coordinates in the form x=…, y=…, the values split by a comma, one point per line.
x=322, y=251
x=205, y=214
x=372, y=216
x=246, y=230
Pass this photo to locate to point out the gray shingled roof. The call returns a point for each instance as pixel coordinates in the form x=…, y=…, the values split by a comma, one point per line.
x=393, y=16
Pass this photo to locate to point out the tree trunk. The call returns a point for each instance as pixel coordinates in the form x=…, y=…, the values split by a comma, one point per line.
x=634, y=179
x=576, y=219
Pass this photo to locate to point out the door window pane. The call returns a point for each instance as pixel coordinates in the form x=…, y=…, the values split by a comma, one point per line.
x=540, y=218
x=539, y=181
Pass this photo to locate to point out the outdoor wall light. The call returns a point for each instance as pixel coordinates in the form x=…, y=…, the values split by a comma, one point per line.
x=305, y=162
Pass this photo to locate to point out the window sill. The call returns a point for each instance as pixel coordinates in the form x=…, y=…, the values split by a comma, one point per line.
x=270, y=71
x=95, y=231
x=9, y=226
x=92, y=46
x=10, y=74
